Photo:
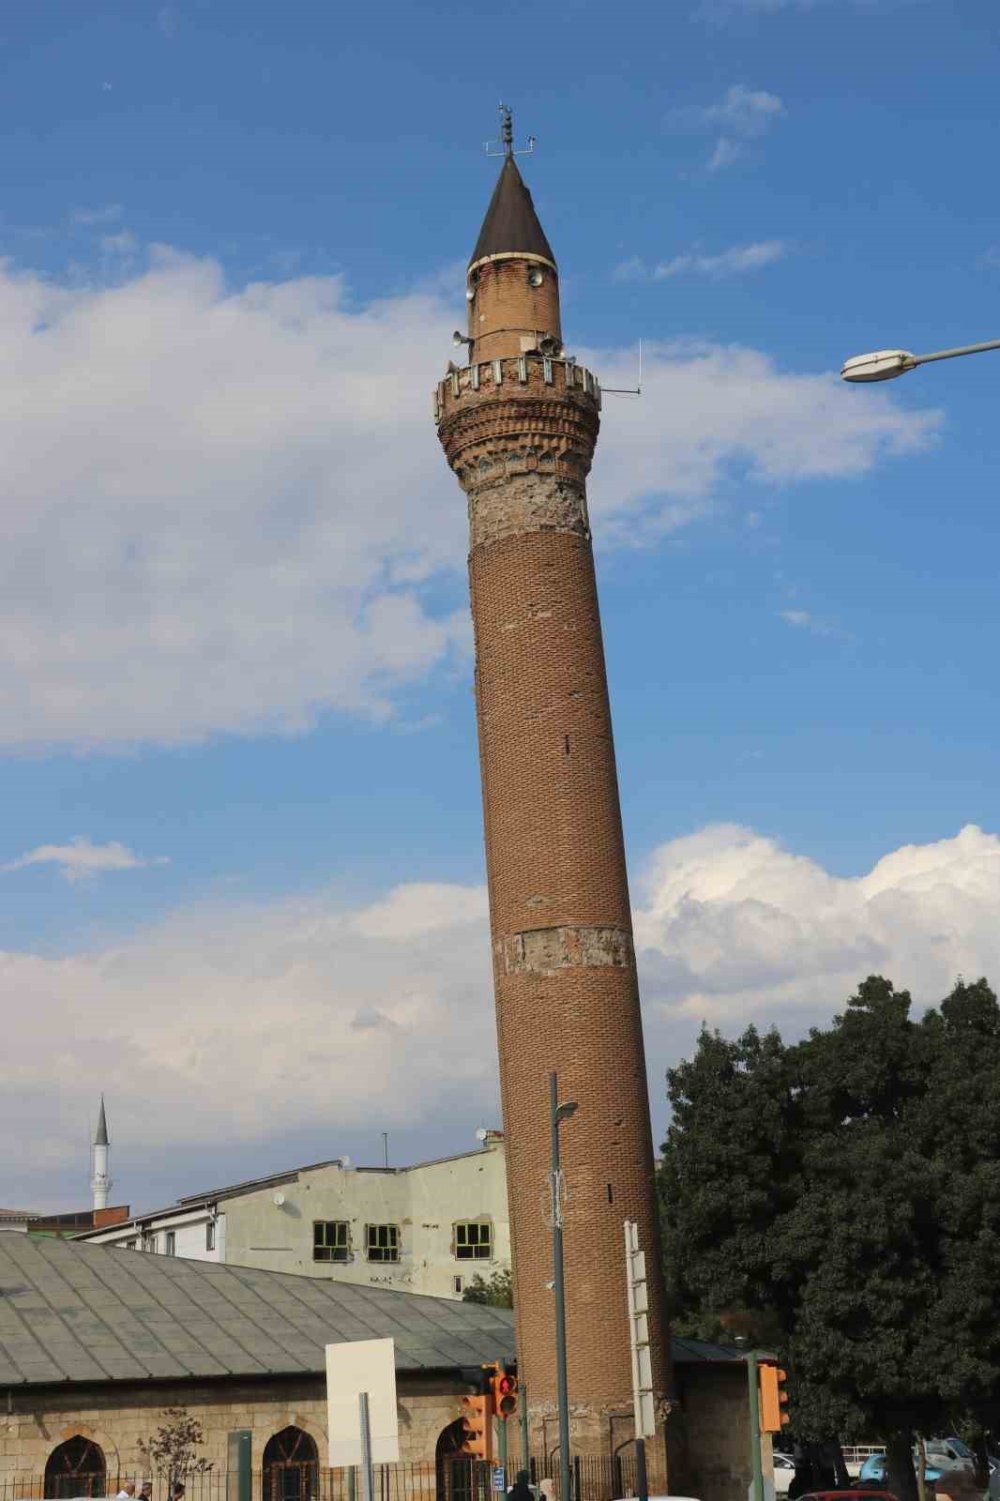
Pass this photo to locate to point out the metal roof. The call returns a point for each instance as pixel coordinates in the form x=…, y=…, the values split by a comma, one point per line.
x=511, y=225
x=71, y=1311
x=687, y=1351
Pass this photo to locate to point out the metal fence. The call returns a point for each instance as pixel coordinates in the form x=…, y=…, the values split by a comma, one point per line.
x=457, y=1478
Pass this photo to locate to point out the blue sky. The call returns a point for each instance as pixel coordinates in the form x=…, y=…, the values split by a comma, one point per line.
x=234, y=657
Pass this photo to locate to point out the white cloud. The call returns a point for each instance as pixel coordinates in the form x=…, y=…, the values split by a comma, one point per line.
x=741, y=115
x=724, y=153
x=720, y=9
x=88, y=217
x=744, y=112
x=244, y=1024
x=707, y=409
x=805, y=620
x=81, y=859
x=734, y=928
x=732, y=262
x=222, y=508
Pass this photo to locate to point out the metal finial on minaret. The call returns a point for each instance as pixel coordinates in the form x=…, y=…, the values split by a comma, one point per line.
x=100, y=1182
x=505, y=140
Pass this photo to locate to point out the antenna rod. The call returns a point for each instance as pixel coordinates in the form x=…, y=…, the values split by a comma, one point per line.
x=635, y=390
x=385, y=1148
x=506, y=141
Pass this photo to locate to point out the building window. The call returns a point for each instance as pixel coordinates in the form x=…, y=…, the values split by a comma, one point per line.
x=210, y=1236
x=473, y=1240
x=76, y=1468
x=331, y=1240
x=291, y=1466
x=458, y=1284
x=382, y=1242
x=170, y=1242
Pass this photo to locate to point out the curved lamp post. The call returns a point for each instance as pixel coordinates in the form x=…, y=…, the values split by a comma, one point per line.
x=886, y=364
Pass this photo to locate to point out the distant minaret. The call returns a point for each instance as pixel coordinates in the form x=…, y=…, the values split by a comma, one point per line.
x=101, y=1181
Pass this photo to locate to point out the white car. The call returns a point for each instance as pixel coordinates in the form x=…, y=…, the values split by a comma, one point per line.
x=784, y=1474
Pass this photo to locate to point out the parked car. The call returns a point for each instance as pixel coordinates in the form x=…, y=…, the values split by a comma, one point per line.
x=874, y=1472
x=950, y=1453
x=784, y=1473
x=863, y=1494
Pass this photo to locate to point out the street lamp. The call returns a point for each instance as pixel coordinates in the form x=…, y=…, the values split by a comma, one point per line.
x=886, y=364
x=557, y=1114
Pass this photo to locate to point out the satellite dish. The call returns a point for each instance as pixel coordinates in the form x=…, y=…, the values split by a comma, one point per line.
x=482, y=1133
x=279, y=1200
x=536, y=276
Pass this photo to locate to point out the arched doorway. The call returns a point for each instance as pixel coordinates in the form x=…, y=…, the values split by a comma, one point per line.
x=76, y=1468
x=459, y=1476
x=291, y=1466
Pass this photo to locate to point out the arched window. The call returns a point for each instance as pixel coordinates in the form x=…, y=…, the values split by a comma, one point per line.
x=291, y=1466
x=76, y=1468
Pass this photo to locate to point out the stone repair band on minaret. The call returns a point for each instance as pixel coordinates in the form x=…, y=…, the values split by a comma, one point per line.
x=518, y=425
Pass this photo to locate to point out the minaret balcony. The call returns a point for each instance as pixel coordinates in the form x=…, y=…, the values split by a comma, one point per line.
x=532, y=371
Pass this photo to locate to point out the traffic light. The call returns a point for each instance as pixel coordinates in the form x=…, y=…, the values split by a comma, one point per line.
x=773, y=1398
x=477, y=1426
x=503, y=1391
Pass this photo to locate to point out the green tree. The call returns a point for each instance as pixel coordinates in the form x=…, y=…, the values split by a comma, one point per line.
x=841, y=1197
x=498, y=1292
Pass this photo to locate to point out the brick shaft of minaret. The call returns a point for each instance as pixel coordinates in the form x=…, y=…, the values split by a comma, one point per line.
x=519, y=429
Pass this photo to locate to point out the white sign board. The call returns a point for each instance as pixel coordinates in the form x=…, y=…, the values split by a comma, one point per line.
x=638, y=1323
x=363, y=1365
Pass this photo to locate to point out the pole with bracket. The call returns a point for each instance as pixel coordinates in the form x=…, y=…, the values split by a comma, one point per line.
x=367, y=1468
x=557, y=1114
x=753, y=1394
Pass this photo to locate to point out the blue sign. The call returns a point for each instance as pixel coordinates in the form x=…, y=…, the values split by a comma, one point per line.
x=499, y=1480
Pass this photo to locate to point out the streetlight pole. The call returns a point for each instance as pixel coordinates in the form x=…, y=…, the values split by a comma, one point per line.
x=886, y=364
x=557, y=1114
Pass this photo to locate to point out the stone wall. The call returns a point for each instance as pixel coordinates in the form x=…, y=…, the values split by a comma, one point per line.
x=117, y=1418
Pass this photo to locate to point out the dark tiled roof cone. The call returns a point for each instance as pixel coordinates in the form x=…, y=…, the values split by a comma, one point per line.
x=511, y=224
x=101, y=1139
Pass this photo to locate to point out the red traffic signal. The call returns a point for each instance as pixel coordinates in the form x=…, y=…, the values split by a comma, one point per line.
x=504, y=1392
x=502, y=1389
x=773, y=1398
x=477, y=1426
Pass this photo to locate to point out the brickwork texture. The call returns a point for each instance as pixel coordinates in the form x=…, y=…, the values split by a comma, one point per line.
x=520, y=439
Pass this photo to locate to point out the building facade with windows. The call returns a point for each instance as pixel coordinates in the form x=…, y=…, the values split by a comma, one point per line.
x=99, y=1349
x=429, y=1228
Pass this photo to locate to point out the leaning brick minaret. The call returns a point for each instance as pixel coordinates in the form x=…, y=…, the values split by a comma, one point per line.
x=518, y=424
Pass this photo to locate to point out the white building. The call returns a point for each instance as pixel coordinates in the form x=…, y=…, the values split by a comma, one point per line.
x=430, y=1228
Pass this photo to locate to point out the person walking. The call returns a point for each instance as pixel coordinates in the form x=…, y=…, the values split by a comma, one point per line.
x=521, y=1489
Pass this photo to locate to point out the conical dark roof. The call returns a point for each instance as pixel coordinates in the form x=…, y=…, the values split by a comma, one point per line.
x=101, y=1139
x=511, y=224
